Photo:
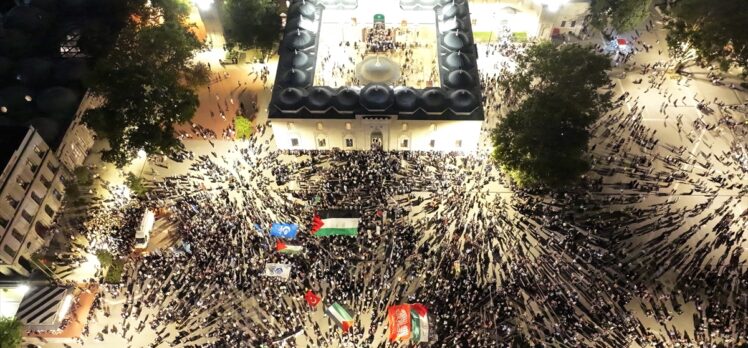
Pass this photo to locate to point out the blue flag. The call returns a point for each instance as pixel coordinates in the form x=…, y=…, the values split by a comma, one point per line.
x=284, y=230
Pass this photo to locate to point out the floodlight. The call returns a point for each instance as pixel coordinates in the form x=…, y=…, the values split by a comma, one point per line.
x=203, y=4
x=22, y=288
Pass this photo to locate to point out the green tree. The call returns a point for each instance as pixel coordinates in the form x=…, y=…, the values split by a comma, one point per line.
x=136, y=185
x=543, y=141
x=146, y=82
x=622, y=15
x=252, y=24
x=11, y=331
x=714, y=31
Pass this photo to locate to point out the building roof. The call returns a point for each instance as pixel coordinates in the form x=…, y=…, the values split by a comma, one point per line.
x=11, y=139
x=458, y=98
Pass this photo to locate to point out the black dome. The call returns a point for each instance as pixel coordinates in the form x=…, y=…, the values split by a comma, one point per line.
x=300, y=60
x=34, y=71
x=434, y=100
x=57, y=100
x=27, y=18
x=14, y=97
x=458, y=60
x=6, y=67
x=459, y=79
x=346, y=99
x=71, y=70
x=376, y=97
x=295, y=78
x=453, y=10
x=298, y=39
x=306, y=9
x=455, y=40
x=463, y=100
x=319, y=98
x=290, y=99
x=406, y=98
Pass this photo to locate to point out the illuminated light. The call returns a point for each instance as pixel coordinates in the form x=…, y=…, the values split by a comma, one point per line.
x=141, y=153
x=23, y=288
x=3, y=109
x=28, y=98
x=66, y=303
x=203, y=4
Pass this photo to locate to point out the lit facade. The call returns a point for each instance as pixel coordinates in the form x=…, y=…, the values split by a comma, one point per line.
x=443, y=113
x=31, y=194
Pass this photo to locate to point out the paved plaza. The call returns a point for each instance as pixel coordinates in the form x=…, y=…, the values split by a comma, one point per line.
x=647, y=252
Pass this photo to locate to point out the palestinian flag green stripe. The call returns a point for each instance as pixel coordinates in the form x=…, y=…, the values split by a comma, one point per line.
x=339, y=313
x=415, y=327
x=335, y=223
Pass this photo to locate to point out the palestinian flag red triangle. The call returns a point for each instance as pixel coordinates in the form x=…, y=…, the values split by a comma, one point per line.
x=317, y=223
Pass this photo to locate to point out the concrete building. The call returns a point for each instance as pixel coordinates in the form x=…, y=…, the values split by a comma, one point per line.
x=434, y=105
x=31, y=193
x=78, y=139
x=528, y=18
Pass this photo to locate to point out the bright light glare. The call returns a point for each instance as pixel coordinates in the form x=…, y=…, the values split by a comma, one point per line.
x=552, y=5
x=23, y=288
x=66, y=303
x=141, y=153
x=203, y=4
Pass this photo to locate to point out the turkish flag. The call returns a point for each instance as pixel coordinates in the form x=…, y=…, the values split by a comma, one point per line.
x=312, y=299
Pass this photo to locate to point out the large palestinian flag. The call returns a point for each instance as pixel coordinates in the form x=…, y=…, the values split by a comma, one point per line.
x=341, y=315
x=335, y=223
x=408, y=323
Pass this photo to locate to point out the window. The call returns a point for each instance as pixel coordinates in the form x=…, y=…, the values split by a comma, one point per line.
x=38, y=151
x=319, y=126
x=3, y=222
x=31, y=165
x=49, y=211
x=36, y=197
x=57, y=195
x=563, y=24
x=294, y=142
x=573, y=24
x=8, y=250
x=24, y=185
x=348, y=142
x=458, y=143
x=26, y=216
x=405, y=126
x=17, y=235
x=12, y=201
x=52, y=167
x=45, y=181
x=348, y=126
x=321, y=142
x=432, y=143
x=404, y=142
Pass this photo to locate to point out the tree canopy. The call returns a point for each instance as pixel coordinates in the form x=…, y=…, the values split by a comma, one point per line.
x=622, y=15
x=713, y=30
x=252, y=23
x=543, y=141
x=146, y=82
x=11, y=332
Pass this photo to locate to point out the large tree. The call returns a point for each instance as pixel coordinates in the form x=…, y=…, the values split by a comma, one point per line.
x=714, y=30
x=11, y=331
x=543, y=141
x=146, y=82
x=252, y=23
x=621, y=15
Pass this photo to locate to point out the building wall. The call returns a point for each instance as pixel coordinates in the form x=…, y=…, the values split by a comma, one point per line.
x=31, y=194
x=78, y=138
x=395, y=134
x=533, y=17
x=569, y=18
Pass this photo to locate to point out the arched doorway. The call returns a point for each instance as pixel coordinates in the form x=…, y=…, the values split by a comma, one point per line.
x=376, y=140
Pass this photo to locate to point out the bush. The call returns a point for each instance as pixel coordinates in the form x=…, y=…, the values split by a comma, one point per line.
x=105, y=258
x=83, y=176
x=136, y=185
x=243, y=127
x=114, y=274
x=11, y=331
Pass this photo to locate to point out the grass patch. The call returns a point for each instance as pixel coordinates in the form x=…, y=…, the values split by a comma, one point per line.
x=105, y=258
x=519, y=37
x=483, y=36
x=114, y=273
x=243, y=127
x=136, y=185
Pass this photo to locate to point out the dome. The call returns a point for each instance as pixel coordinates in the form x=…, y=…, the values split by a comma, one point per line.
x=34, y=71
x=71, y=70
x=300, y=22
x=459, y=79
x=455, y=40
x=57, y=100
x=298, y=39
x=458, y=60
x=290, y=99
x=463, y=101
x=319, y=98
x=451, y=10
x=376, y=97
x=406, y=98
x=295, y=77
x=305, y=9
x=346, y=99
x=434, y=100
x=15, y=43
